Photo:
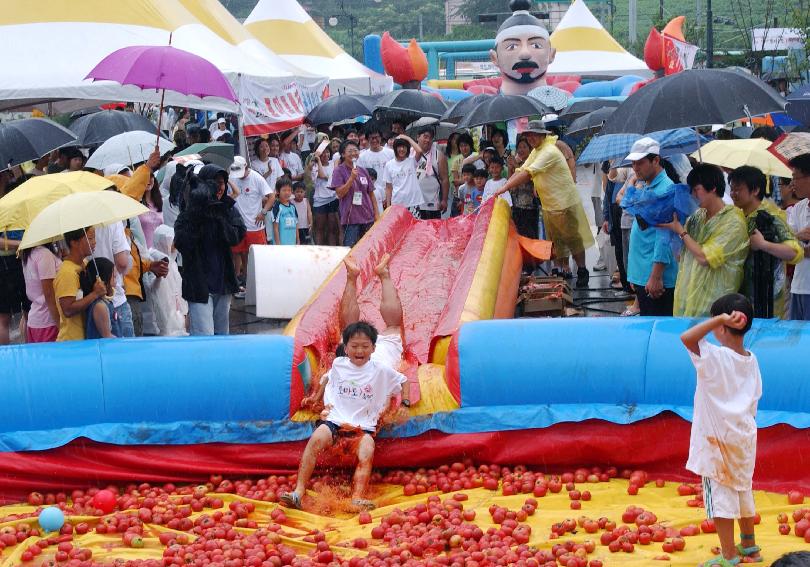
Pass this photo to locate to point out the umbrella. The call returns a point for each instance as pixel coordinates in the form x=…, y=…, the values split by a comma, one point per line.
x=734, y=153
x=30, y=139
x=441, y=130
x=799, y=105
x=789, y=146
x=460, y=109
x=96, y=128
x=78, y=211
x=409, y=103
x=617, y=146
x=163, y=67
x=591, y=122
x=18, y=208
x=341, y=107
x=218, y=153
x=696, y=97
x=586, y=106
x=128, y=148
x=500, y=108
x=552, y=97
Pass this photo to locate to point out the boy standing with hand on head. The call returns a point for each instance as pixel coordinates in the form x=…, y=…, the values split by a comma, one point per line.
x=723, y=443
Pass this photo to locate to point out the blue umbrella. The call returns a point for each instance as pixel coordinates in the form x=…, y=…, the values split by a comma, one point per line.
x=799, y=105
x=615, y=146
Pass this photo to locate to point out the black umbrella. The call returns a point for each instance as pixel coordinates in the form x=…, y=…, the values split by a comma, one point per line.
x=799, y=105
x=409, y=104
x=697, y=97
x=591, y=122
x=96, y=128
x=339, y=108
x=499, y=108
x=583, y=107
x=30, y=139
x=460, y=109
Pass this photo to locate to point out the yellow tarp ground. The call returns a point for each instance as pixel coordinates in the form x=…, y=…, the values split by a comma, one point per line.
x=609, y=500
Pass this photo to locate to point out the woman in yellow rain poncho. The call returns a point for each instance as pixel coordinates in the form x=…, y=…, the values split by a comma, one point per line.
x=715, y=243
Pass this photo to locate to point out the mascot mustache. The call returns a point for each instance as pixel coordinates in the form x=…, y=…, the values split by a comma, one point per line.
x=525, y=69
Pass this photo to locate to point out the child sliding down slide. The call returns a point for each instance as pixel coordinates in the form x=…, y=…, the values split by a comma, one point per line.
x=359, y=386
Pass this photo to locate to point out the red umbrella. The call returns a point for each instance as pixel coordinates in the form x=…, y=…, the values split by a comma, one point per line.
x=163, y=67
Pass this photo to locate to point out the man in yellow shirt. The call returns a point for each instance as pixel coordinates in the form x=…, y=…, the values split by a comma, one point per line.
x=563, y=214
x=66, y=286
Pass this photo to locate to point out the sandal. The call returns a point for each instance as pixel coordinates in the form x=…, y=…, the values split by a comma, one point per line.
x=751, y=553
x=630, y=312
x=721, y=561
x=290, y=500
x=363, y=504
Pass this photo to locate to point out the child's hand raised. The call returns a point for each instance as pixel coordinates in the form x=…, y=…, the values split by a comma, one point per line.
x=735, y=320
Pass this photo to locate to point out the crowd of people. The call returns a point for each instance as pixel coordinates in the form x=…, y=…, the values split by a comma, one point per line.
x=739, y=239
x=175, y=269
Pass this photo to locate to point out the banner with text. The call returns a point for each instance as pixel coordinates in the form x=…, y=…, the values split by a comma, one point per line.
x=274, y=108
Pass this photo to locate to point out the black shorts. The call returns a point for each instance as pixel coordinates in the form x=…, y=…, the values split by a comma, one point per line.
x=12, y=286
x=337, y=432
x=429, y=215
x=327, y=209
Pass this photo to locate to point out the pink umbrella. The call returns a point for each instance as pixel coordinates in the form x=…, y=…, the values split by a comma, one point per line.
x=163, y=67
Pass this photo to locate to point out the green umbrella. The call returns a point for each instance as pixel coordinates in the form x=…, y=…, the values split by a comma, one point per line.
x=218, y=153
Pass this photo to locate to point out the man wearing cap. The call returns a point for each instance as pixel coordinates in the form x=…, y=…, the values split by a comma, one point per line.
x=522, y=51
x=563, y=214
x=651, y=267
x=222, y=129
x=254, y=198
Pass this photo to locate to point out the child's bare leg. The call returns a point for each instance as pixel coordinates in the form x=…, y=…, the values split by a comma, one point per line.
x=320, y=440
x=725, y=531
x=349, y=308
x=390, y=305
x=747, y=538
x=365, y=456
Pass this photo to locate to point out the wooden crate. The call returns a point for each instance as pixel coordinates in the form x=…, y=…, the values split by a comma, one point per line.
x=545, y=296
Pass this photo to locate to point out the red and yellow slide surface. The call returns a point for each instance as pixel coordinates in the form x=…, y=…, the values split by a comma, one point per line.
x=446, y=272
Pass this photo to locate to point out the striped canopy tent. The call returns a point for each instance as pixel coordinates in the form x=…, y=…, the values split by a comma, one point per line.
x=584, y=47
x=49, y=46
x=286, y=29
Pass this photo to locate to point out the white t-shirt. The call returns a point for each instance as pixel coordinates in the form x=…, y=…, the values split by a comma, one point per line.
x=272, y=164
x=723, y=443
x=292, y=162
x=358, y=395
x=402, y=177
x=110, y=240
x=427, y=173
x=799, y=218
x=322, y=195
x=377, y=161
x=252, y=191
x=492, y=186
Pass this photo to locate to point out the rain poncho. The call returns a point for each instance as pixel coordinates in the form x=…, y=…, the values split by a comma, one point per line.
x=657, y=207
x=724, y=240
x=563, y=215
x=164, y=295
x=764, y=276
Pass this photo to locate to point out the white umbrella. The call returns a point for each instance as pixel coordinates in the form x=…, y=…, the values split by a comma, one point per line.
x=128, y=148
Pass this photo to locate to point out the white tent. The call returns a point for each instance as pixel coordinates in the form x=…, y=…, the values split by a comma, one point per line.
x=285, y=28
x=49, y=46
x=584, y=47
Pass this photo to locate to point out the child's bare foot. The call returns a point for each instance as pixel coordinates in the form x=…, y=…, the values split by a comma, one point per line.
x=382, y=268
x=352, y=271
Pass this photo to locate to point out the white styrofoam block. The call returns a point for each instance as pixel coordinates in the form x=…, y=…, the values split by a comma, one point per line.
x=281, y=279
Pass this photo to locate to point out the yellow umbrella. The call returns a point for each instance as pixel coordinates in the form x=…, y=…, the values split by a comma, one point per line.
x=734, y=153
x=77, y=211
x=18, y=208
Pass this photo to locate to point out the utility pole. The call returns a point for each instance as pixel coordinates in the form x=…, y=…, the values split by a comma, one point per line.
x=633, y=25
x=709, y=35
x=661, y=10
x=421, y=32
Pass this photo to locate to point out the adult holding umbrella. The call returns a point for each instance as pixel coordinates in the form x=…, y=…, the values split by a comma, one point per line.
x=563, y=214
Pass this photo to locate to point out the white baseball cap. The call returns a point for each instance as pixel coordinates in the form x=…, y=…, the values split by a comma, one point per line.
x=221, y=121
x=238, y=167
x=642, y=148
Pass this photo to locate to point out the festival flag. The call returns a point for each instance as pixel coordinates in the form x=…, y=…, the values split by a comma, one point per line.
x=678, y=55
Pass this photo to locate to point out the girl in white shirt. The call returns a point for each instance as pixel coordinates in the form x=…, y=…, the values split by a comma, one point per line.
x=269, y=167
x=325, y=221
x=401, y=185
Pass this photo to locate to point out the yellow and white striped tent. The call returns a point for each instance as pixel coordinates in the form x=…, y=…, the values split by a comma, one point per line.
x=584, y=47
x=49, y=46
x=286, y=29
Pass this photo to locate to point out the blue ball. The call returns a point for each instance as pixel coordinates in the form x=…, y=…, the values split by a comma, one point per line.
x=51, y=519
